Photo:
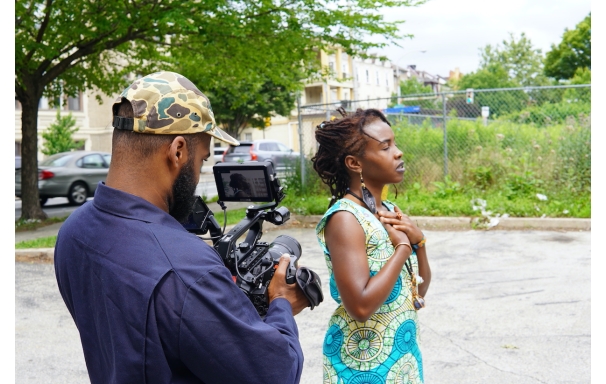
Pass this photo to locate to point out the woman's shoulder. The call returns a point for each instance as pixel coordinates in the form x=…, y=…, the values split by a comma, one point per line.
x=340, y=206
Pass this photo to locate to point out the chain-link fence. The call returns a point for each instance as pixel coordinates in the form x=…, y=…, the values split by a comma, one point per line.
x=484, y=136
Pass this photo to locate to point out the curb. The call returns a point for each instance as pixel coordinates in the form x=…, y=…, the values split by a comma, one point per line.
x=46, y=255
x=35, y=255
x=467, y=223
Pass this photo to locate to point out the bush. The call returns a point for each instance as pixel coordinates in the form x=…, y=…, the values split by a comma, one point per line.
x=58, y=136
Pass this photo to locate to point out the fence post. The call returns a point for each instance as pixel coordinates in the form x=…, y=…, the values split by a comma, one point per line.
x=445, y=135
x=301, y=150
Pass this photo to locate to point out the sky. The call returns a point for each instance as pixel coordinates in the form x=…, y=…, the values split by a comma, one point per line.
x=452, y=32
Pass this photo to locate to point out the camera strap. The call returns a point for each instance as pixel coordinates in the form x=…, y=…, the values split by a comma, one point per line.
x=417, y=300
x=310, y=284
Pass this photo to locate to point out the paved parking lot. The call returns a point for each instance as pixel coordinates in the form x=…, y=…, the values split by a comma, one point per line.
x=503, y=307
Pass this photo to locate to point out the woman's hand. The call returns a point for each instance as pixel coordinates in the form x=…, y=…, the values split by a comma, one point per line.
x=401, y=222
x=395, y=235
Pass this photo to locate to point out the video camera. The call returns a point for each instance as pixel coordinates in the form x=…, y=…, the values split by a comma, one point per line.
x=252, y=262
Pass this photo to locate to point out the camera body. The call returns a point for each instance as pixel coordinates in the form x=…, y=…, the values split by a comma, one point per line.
x=251, y=262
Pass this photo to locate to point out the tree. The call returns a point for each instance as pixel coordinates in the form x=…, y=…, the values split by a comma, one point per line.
x=493, y=75
x=265, y=101
x=413, y=87
x=66, y=46
x=59, y=135
x=573, y=52
x=522, y=62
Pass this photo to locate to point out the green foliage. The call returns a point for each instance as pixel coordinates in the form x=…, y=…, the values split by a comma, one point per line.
x=63, y=47
x=42, y=242
x=516, y=160
x=22, y=225
x=582, y=75
x=493, y=75
x=59, y=135
x=522, y=62
x=258, y=53
x=413, y=87
x=294, y=186
x=267, y=99
x=551, y=113
x=446, y=188
x=516, y=63
x=573, y=52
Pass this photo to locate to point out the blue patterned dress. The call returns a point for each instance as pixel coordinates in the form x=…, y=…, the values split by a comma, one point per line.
x=385, y=348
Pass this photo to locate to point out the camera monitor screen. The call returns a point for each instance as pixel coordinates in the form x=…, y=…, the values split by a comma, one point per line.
x=243, y=182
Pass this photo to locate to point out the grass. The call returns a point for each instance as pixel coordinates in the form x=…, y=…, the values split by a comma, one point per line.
x=30, y=225
x=427, y=203
x=43, y=242
x=233, y=216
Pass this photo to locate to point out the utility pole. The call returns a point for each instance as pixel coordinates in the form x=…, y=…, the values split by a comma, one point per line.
x=301, y=150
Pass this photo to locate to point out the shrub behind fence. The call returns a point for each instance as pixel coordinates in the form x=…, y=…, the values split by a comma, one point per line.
x=520, y=140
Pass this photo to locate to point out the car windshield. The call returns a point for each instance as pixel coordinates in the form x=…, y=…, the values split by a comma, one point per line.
x=241, y=149
x=58, y=160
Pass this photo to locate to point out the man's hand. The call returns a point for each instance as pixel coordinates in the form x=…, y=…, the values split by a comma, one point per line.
x=291, y=292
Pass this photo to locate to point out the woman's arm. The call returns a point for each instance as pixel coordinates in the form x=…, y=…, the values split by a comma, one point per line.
x=361, y=294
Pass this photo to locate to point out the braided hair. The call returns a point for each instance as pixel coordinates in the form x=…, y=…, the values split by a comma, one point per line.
x=338, y=139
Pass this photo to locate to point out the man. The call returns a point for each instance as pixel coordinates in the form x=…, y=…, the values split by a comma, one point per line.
x=152, y=302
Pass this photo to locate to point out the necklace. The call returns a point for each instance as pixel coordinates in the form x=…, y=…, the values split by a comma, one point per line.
x=356, y=196
x=367, y=200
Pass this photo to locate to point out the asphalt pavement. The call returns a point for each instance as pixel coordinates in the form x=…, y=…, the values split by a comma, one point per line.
x=503, y=307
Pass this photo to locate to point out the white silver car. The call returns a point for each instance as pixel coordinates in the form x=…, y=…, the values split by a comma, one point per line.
x=74, y=175
x=260, y=150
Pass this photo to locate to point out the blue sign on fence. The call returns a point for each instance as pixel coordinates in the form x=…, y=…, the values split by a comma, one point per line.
x=402, y=109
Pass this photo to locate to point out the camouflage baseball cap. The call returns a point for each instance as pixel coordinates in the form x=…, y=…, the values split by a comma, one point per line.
x=167, y=103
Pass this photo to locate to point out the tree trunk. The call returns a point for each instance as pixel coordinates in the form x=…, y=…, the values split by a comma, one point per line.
x=30, y=196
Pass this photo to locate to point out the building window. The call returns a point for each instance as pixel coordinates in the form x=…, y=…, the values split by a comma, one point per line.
x=331, y=67
x=43, y=103
x=378, y=82
x=367, y=77
x=67, y=104
x=73, y=103
x=248, y=136
x=17, y=148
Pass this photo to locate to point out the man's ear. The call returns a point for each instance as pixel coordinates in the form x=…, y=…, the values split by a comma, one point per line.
x=353, y=164
x=177, y=152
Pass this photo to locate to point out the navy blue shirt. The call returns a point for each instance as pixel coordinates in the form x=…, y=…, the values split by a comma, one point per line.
x=155, y=304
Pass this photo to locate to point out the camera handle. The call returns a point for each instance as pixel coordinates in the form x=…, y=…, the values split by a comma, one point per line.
x=253, y=225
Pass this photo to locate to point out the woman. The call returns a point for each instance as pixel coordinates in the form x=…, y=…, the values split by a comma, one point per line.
x=240, y=186
x=375, y=255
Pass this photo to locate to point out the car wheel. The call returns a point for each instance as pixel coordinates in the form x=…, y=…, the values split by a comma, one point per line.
x=77, y=193
x=43, y=201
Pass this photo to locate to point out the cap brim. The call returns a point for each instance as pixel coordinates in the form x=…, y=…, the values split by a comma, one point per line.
x=219, y=134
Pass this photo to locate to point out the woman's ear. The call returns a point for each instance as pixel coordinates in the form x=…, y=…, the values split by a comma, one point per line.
x=353, y=164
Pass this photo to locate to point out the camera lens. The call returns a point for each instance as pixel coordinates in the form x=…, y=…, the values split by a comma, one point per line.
x=285, y=244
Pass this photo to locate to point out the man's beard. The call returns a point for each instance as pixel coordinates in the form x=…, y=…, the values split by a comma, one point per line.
x=183, y=193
